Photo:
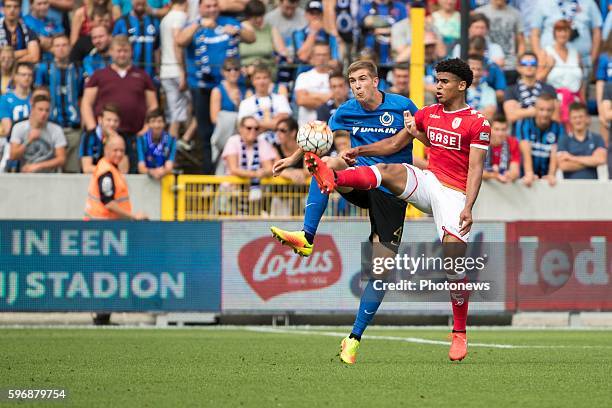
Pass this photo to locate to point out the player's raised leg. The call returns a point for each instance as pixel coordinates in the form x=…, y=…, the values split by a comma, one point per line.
x=302, y=241
x=394, y=177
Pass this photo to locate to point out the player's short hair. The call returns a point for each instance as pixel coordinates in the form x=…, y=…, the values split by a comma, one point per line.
x=154, y=114
x=500, y=118
x=578, y=106
x=13, y=1
x=120, y=41
x=367, y=65
x=457, y=67
x=40, y=98
x=110, y=108
x=478, y=17
x=546, y=97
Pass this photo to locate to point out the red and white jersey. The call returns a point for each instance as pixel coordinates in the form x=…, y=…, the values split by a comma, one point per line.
x=451, y=135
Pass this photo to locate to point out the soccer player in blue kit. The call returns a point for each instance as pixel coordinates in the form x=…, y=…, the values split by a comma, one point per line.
x=371, y=116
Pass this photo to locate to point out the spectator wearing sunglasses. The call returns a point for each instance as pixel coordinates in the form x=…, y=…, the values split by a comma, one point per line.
x=286, y=133
x=248, y=154
x=519, y=99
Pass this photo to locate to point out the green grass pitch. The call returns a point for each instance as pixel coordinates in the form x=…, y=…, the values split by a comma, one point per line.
x=239, y=367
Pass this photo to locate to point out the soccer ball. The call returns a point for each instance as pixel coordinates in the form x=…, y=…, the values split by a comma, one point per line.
x=315, y=137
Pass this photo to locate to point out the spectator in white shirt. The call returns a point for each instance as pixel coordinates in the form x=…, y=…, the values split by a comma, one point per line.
x=312, y=87
x=267, y=107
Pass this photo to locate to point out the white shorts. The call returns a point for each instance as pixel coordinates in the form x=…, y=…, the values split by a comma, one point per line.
x=425, y=192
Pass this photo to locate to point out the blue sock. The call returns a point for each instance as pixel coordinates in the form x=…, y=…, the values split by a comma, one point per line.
x=315, y=207
x=370, y=301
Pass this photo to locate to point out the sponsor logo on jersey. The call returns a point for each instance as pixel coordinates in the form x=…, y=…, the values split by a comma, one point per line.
x=484, y=136
x=551, y=137
x=358, y=129
x=386, y=119
x=444, y=138
x=434, y=116
x=271, y=269
x=456, y=123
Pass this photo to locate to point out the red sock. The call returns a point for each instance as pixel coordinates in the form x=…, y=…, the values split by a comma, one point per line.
x=460, y=300
x=360, y=178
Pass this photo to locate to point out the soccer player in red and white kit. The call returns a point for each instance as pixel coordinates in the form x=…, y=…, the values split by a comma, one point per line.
x=458, y=137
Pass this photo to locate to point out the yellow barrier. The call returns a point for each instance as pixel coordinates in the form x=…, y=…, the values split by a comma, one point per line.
x=197, y=197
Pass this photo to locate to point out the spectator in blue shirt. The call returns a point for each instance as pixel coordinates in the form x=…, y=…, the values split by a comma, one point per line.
x=14, y=32
x=44, y=27
x=376, y=19
x=15, y=105
x=156, y=148
x=305, y=39
x=92, y=142
x=208, y=42
x=580, y=152
x=65, y=82
x=538, y=138
x=99, y=56
x=142, y=29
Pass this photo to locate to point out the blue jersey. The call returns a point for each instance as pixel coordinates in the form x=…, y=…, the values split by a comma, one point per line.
x=94, y=61
x=367, y=127
x=143, y=34
x=542, y=141
x=65, y=86
x=208, y=49
x=391, y=13
x=43, y=28
x=92, y=145
x=156, y=154
x=19, y=41
x=14, y=108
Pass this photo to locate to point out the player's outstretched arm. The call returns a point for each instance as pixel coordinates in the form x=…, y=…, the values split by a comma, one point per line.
x=383, y=147
x=474, y=180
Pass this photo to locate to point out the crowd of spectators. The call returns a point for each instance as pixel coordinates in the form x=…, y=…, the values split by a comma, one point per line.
x=230, y=81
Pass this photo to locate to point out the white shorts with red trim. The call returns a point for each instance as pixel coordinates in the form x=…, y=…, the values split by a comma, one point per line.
x=425, y=192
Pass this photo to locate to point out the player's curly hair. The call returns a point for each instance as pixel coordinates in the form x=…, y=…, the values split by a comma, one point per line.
x=457, y=67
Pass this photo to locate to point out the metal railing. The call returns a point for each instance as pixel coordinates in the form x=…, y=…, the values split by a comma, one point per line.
x=197, y=197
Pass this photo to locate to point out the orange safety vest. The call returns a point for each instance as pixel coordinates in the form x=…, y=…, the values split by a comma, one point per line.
x=94, y=207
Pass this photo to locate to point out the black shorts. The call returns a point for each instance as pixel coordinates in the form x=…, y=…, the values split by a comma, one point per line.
x=387, y=214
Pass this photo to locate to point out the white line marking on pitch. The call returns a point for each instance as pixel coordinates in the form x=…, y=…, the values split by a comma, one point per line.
x=416, y=340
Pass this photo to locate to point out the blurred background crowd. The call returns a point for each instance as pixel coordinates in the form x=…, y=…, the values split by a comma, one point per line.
x=222, y=86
